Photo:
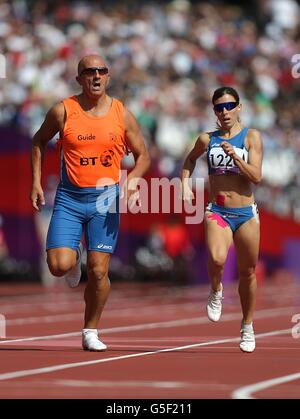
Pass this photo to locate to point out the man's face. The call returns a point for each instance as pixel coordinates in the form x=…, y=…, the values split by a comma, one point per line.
x=93, y=76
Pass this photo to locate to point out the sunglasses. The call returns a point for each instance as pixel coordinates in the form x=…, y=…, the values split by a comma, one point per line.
x=227, y=105
x=91, y=71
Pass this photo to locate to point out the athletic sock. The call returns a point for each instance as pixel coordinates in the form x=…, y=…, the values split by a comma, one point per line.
x=247, y=327
x=90, y=330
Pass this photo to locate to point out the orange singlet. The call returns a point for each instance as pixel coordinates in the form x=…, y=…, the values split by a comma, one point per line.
x=93, y=147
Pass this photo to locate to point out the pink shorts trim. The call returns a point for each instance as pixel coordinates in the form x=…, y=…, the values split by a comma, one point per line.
x=220, y=221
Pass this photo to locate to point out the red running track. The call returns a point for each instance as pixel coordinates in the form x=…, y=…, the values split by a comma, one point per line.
x=160, y=344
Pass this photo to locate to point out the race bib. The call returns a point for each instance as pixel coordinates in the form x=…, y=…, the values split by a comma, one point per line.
x=219, y=160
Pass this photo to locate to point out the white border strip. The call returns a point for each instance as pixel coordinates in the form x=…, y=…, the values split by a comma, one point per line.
x=247, y=391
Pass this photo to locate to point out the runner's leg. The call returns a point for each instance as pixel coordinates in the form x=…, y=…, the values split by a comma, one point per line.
x=246, y=240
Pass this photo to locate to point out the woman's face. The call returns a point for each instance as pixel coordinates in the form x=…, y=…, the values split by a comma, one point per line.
x=227, y=111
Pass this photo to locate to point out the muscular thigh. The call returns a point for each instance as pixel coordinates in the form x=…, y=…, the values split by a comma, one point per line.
x=218, y=235
x=102, y=227
x=246, y=240
x=101, y=232
x=66, y=223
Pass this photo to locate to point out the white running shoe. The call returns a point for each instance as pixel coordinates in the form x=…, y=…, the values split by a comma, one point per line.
x=91, y=342
x=72, y=277
x=247, y=343
x=214, y=305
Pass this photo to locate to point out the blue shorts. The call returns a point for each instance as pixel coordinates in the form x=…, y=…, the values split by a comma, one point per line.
x=96, y=212
x=234, y=217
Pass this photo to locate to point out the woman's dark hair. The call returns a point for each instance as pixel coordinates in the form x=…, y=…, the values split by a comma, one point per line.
x=225, y=90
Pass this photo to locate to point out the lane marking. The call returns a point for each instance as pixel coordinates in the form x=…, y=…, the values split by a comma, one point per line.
x=69, y=297
x=37, y=384
x=136, y=383
x=122, y=384
x=59, y=318
x=2, y=326
x=247, y=391
x=146, y=326
x=60, y=367
x=69, y=302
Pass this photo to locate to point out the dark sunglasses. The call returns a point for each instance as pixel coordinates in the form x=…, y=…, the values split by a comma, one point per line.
x=227, y=105
x=91, y=71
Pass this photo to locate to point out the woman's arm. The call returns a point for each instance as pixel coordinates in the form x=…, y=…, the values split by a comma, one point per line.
x=253, y=169
x=189, y=164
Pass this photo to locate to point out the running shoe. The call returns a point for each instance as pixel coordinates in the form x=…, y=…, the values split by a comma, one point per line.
x=247, y=343
x=72, y=277
x=91, y=342
x=214, y=305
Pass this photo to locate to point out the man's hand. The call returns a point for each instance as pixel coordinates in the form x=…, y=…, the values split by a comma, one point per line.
x=130, y=190
x=37, y=197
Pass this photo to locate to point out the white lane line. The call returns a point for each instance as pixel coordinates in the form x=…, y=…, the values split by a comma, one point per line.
x=65, y=304
x=247, y=391
x=47, y=306
x=146, y=326
x=60, y=367
x=127, y=384
x=67, y=293
x=59, y=318
x=106, y=384
x=69, y=297
x=122, y=384
x=119, y=329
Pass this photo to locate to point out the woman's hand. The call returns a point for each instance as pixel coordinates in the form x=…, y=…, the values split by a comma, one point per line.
x=228, y=148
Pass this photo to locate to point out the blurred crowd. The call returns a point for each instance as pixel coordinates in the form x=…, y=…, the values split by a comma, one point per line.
x=166, y=59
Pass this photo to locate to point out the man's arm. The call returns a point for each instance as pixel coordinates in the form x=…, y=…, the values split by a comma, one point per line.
x=52, y=124
x=140, y=153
